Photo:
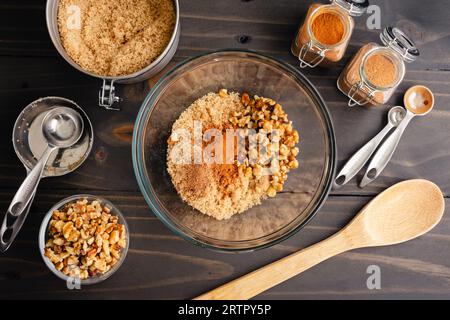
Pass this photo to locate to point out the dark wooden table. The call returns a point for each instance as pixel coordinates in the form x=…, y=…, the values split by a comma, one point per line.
x=161, y=265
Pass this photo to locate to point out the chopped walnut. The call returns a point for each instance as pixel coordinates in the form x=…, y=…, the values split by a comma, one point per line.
x=266, y=114
x=85, y=239
x=223, y=93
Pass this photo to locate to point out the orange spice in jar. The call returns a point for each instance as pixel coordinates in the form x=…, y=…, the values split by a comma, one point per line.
x=375, y=71
x=328, y=28
x=325, y=33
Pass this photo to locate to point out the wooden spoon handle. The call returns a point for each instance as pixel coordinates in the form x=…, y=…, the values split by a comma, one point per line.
x=258, y=281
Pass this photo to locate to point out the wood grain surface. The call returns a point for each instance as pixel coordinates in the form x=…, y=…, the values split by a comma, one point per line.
x=161, y=265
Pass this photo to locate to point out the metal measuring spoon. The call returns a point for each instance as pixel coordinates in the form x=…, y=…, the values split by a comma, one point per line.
x=419, y=101
x=359, y=159
x=62, y=127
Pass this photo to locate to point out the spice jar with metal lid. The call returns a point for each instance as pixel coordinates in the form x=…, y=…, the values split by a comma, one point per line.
x=374, y=73
x=325, y=33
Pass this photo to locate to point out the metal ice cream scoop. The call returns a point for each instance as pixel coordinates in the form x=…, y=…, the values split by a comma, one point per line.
x=62, y=128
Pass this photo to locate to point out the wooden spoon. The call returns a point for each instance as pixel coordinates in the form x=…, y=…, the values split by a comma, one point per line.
x=403, y=212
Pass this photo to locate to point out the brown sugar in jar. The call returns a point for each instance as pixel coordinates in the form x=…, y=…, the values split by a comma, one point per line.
x=325, y=33
x=375, y=71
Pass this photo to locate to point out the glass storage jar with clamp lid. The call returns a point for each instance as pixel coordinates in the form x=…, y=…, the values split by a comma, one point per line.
x=325, y=33
x=375, y=71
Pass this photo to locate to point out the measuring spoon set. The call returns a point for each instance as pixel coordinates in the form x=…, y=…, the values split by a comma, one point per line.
x=419, y=101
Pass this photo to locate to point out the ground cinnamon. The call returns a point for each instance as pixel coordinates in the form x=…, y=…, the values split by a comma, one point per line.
x=328, y=28
x=115, y=37
x=380, y=71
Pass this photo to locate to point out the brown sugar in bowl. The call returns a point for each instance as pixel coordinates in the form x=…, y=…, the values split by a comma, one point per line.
x=107, y=96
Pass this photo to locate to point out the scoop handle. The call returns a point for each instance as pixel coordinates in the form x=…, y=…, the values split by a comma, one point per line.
x=359, y=159
x=28, y=188
x=258, y=281
x=12, y=225
x=385, y=153
x=21, y=203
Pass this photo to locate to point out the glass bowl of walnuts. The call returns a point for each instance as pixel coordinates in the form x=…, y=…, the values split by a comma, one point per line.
x=84, y=239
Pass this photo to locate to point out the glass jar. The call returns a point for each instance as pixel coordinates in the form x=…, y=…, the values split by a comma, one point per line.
x=375, y=71
x=325, y=33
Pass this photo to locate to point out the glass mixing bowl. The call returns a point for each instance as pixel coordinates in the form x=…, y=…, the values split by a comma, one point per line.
x=306, y=188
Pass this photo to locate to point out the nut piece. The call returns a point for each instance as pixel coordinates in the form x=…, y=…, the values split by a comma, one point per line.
x=85, y=239
x=266, y=115
x=114, y=237
x=245, y=99
x=271, y=192
x=223, y=93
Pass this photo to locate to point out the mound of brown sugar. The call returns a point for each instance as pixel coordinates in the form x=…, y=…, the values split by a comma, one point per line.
x=115, y=37
x=217, y=190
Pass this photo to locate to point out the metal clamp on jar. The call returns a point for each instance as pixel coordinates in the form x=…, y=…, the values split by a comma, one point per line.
x=374, y=73
x=325, y=33
x=107, y=95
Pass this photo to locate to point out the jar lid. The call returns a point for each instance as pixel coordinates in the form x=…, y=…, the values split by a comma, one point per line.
x=395, y=39
x=354, y=7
